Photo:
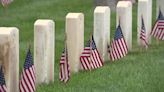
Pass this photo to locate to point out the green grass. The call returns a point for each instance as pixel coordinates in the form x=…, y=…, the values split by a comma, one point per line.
x=138, y=72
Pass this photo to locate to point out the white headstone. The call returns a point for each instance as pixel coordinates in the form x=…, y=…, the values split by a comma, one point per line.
x=124, y=16
x=102, y=30
x=160, y=4
x=144, y=10
x=9, y=57
x=44, y=50
x=75, y=39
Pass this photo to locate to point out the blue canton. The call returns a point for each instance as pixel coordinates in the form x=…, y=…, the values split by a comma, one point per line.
x=160, y=17
x=29, y=60
x=118, y=33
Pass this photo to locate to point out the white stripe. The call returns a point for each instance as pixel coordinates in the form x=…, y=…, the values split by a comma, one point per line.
x=125, y=46
x=98, y=58
x=66, y=71
x=95, y=58
x=83, y=64
x=30, y=78
x=24, y=85
x=122, y=48
x=33, y=77
x=93, y=61
x=62, y=72
x=27, y=81
x=4, y=87
x=114, y=54
x=119, y=48
x=21, y=88
x=161, y=34
x=1, y=89
x=115, y=49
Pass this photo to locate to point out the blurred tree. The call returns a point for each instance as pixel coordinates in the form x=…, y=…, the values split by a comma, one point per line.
x=5, y=4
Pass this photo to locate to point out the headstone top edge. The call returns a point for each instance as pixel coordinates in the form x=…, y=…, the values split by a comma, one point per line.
x=8, y=30
x=43, y=22
x=74, y=15
x=124, y=4
x=102, y=9
x=143, y=0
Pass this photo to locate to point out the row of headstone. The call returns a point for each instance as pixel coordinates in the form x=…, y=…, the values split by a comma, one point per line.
x=44, y=40
x=110, y=3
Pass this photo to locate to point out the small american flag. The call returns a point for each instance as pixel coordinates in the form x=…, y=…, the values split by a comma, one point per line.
x=90, y=58
x=2, y=82
x=6, y=2
x=64, y=74
x=118, y=48
x=158, y=30
x=28, y=77
x=143, y=34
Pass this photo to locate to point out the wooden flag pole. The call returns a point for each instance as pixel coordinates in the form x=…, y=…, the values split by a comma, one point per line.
x=30, y=46
x=119, y=21
x=65, y=42
x=65, y=38
x=91, y=48
x=5, y=9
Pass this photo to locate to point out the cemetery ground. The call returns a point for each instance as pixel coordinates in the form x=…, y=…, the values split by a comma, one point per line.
x=139, y=71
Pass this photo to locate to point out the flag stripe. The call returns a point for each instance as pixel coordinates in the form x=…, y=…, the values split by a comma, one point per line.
x=90, y=58
x=157, y=31
x=64, y=74
x=28, y=77
x=31, y=82
x=118, y=48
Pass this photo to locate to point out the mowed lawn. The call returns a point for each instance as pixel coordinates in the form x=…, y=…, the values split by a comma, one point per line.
x=139, y=71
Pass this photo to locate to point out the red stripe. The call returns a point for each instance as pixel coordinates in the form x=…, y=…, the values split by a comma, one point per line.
x=119, y=48
x=60, y=73
x=124, y=43
x=122, y=48
x=85, y=63
x=24, y=84
x=99, y=60
x=27, y=81
x=93, y=62
x=96, y=58
x=30, y=81
x=22, y=88
x=33, y=74
x=112, y=51
x=116, y=51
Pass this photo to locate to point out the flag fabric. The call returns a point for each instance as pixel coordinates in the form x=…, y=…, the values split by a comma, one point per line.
x=6, y=2
x=90, y=57
x=64, y=74
x=2, y=82
x=118, y=48
x=28, y=77
x=158, y=29
x=143, y=34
